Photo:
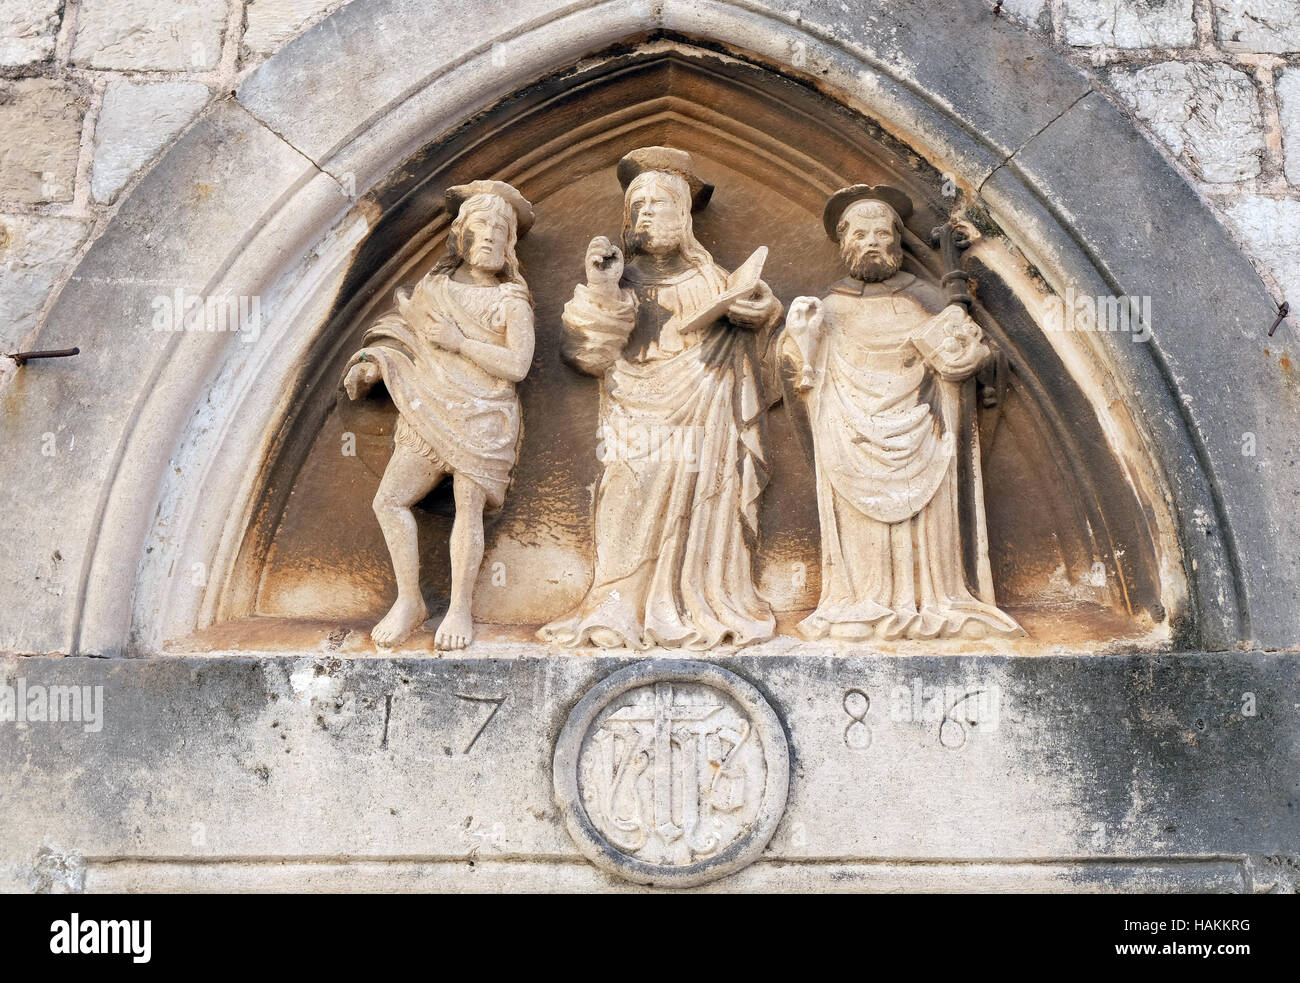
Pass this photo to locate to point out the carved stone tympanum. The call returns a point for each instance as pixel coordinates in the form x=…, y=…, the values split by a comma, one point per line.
x=881, y=360
x=450, y=355
x=672, y=772
x=671, y=335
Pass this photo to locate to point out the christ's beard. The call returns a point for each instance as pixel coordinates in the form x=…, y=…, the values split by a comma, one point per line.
x=872, y=269
x=657, y=242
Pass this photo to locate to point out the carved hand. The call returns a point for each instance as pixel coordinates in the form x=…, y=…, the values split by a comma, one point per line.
x=961, y=350
x=604, y=262
x=806, y=323
x=360, y=378
x=806, y=317
x=444, y=332
x=753, y=310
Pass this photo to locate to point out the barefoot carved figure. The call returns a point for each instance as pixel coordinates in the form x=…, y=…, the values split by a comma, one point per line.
x=671, y=335
x=450, y=354
x=881, y=361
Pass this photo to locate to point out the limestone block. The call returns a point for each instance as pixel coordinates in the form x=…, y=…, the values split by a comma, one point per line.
x=1126, y=24
x=34, y=250
x=356, y=762
x=1268, y=225
x=164, y=35
x=136, y=121
x=41, y=123
x=1035, y=14
x=271, y=23
x=1207, y=115
x=27, y=30
x=1260, y=25
x=1288, y=104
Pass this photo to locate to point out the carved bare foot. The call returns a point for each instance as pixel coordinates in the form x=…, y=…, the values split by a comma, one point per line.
x=606, y=638
x=456, y=631
x=406, y=615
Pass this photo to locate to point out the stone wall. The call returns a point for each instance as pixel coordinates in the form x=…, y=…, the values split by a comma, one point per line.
x=1143, y=771
x=91, y=93
x=96, y=90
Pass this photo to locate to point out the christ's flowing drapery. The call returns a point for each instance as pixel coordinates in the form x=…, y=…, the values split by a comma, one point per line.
x=676, y=507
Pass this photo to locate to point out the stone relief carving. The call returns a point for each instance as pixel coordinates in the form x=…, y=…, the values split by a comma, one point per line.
x=687, y=355
x=672, y=772
x=450, y=354
x=672, y=775
x=674, y=339
x=880, y=363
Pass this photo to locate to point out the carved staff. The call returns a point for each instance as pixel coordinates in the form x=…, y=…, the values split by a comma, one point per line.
x=950, y=239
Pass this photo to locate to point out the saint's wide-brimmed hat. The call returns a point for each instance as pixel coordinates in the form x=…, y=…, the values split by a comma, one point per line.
x=670, y=160
x=460, y=193
x=842, y=199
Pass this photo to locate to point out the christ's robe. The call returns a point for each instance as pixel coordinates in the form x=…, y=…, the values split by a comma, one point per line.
x=884, y=421
x=451, y=410
x=676, y=511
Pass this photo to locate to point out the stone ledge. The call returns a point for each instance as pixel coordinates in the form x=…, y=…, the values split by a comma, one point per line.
x=769, y=875
x=1144, y=763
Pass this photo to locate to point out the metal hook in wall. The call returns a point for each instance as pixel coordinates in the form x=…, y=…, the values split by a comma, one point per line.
x=22, y=358
x=1283, y=309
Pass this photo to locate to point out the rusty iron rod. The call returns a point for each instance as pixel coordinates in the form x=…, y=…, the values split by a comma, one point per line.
x=23, y=358
x=1282, y=311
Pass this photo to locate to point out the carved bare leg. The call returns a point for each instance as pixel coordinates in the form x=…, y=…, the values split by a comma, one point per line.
x=407, y=479
x=457, y=628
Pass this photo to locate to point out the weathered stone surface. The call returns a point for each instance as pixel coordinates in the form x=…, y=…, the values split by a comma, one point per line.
x=424, y=744
x=182, y=222
x=268, y=24
x=1269, y=225
x=1000, y=96
x=1207, y=115
x=1128, y=24
x=27, y=30
x=1288, y=104
x=34, y=250
x=1258, y=25
x=135, y=122
x=41, y=123
x=1034, y=14
x=177, y=35
x=345, y=764
x=1136, y=215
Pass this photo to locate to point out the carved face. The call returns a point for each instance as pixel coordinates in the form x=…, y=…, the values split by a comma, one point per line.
x=658, y=213
x=870, y=243
x=485, y=234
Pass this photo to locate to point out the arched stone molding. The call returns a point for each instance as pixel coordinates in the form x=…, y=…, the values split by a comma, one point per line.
x=266, y=195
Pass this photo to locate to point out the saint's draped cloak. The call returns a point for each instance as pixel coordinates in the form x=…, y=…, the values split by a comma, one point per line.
x=676, y=510
x=450, y=409
x=885, y=426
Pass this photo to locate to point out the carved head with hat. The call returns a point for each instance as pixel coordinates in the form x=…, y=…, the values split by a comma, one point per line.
x=660, y=191
x=488, y=218
x=867, y=222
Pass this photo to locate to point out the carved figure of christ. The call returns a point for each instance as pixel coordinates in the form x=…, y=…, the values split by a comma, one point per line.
x=674, y=538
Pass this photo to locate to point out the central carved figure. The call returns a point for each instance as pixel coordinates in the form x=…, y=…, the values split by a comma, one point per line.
x=672, y=337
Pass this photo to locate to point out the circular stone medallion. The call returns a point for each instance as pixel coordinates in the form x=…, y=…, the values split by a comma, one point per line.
x=672, y=773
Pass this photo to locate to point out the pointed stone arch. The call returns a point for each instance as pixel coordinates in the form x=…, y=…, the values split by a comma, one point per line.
x=277, y=191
